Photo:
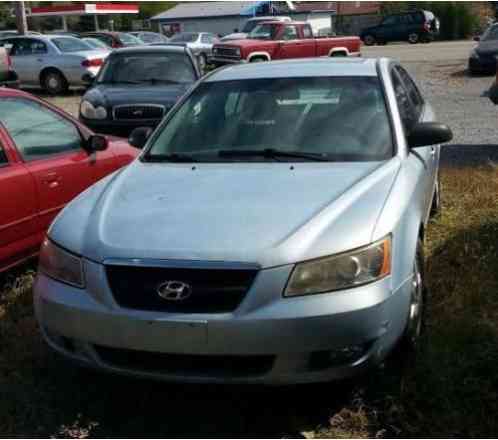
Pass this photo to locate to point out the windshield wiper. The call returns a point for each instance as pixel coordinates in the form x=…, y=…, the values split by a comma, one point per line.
x=174, y=157
x=272, y=153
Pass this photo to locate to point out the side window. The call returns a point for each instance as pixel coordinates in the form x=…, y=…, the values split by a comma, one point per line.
x=290, y=33
x=205, y=39
x=412, y=89
x=391, y=20
x=27, y=46
x=406, y=109
x=307, y=32
x=37, y=131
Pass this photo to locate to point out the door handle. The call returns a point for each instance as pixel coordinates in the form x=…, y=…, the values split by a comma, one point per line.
x=52, y=179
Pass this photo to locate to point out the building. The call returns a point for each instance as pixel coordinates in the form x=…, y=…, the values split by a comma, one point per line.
x=223, y=17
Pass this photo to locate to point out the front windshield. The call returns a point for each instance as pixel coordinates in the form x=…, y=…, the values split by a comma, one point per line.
x=327, y=118
x=265, y=31
x=186, y=37
x=250, y=25
x=490, y=34
x=129, y=40
x=70, y=44
x=153, y=67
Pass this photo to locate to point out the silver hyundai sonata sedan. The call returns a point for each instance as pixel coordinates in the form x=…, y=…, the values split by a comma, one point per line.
x=270, y=232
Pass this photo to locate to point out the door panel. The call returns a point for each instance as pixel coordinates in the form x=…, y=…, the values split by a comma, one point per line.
x=19, y=234
x=28, y=55
x=50, y=146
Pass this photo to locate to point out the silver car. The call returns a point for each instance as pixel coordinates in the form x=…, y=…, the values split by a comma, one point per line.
x=271, y=231
x=53, y=62
x=199, y=43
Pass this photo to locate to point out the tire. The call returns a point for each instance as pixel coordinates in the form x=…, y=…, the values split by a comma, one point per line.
x=410, y=340
x=413, y=38
x=54, y=82
x=436, y=199
x=258, y=60
x=369, y=40
x=338, y=55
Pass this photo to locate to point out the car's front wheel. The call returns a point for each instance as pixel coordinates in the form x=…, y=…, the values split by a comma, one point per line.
x=369, y=40
x=413, y=38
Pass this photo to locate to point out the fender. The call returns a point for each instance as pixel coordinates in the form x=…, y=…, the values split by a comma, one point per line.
x=258, y=54
x=339, y=49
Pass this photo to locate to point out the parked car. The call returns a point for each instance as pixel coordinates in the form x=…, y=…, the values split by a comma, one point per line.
x=53, y=62
x=274, y=40
x=137, y=87
x=46, y=159
x=199, y=43
x=482, y=58
x=15, y=33
x=150, y=37
x=96, y=43
x=270, y=232
x=250, y=25
x=8, y=76
x=411, y=26
x=114, y=39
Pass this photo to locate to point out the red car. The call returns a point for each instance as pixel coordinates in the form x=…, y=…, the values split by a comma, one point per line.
x=277, y=40
x=46, y=159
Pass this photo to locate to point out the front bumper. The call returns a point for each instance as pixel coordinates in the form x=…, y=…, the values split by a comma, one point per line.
x=268, y=339
x=482, y=64
x=118, y=127
x=220, y=61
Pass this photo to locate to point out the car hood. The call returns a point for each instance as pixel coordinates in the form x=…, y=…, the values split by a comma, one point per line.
x=264, y=213
x=234, y=36
x=487, y=47
x=111, y=95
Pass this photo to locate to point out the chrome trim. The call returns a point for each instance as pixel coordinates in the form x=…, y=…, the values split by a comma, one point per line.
x=136, y=105
x=181, y=264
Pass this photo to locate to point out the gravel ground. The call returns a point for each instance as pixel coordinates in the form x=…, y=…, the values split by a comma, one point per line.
x=440, y=69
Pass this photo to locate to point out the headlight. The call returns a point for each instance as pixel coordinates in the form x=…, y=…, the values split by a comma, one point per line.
x=60, y=264
x=343, y=271
x=88, y=111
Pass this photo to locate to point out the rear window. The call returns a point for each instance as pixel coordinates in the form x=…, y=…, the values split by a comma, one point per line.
x=128, y=39
x=70, y=44
x=339, y=118
x=185, y=37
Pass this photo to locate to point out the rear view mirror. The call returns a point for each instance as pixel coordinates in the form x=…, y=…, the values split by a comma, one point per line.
x=96, y=142
x=429, y=133
x=138, y=137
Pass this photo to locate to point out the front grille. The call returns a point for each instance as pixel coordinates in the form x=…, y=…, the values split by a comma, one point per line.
x=134, y=112
x=185, y=364
x=226, y=52
x=211, y=290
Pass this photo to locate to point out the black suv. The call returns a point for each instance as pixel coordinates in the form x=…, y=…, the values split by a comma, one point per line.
x=412, y=26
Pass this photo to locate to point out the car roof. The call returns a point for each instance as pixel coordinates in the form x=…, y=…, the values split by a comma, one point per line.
x=157, y=47
x=300, y=68
x=42, y=36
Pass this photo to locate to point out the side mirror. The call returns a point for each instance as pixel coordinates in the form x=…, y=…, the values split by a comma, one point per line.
x=138, y=137
x=477, y=38
x=429, y=133
x=96, y=142
x=88, y=79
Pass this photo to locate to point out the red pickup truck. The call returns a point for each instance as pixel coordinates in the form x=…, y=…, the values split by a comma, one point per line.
x=275, y=40
x=46, y=159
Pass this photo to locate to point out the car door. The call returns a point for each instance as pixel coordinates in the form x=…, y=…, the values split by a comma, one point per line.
x=291, y=46
x=388, y=29
x=411, y=114
x=19, y=234
x=28, y=56
x=50, y=147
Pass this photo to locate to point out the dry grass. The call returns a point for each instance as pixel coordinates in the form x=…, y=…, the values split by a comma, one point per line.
x=451, y=391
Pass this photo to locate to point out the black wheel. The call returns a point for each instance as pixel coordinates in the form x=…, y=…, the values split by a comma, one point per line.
x=258, y=60
x=413, y=38
x=436, y=199
x=54, y=82
x=416, y=314
x=338, y=55
x=369, y=40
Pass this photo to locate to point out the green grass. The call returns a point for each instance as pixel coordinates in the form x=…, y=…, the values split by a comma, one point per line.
x=451, y=391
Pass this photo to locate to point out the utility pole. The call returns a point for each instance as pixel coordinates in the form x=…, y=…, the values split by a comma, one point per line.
x=22, y=22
